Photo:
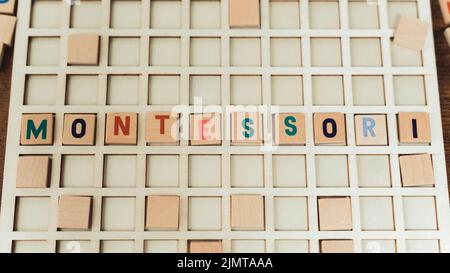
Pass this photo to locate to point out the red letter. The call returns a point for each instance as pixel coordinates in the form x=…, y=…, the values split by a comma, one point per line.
x=125, y=128
x=203, y=122
x=162, y=119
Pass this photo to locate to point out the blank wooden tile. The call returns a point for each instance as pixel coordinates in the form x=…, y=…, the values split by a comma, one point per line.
x=8, y=27
x=79, y=129
x=289, y=129
x=416, y=170
x=121, y=128
x=246, y=128
x=244, y=13
x=74, y=212
x=329, y=128
x=247, y=212
x=414, y=127
x=371, y=130
x=205, y=247
x=336, y=246
x=33, y=172
x=445, y=9
x=335, y=213
x=162, y=212
x=83, y=49
x=411, y=33
x=205, y=129
x=8, y=7
x=162, y=128
x=37, y=129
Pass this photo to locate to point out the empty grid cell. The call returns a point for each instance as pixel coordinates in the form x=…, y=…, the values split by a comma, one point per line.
x=126, y=14
x=332, y=171
x=73, y=246
x=205, y=89
x=291, y=213
x=368, y=90
x=422, y=246
x=287, y=90
x=405, y=57
x=165, y=51
x=165, y=14
x=205, y=14
x=118, y=213
x=205, y=171
x=289, y=171
x=363, y=15
x=86, y=15
x=373, y=171
x=41, y=89
x=327, y=90
x=366, y=52
x=246, y=89
x=164, y=89
x=43, y=51
x=379, y=246
x=162, y=171
x=205, y=51
x=324, y=15
x=376, y=213
x=116, y=246
x=39, y=14
x=326, y=52
x=284, y=14
x=77, y=171
x=30, y=247
x=285, y=52
x=32, y=214
x=123, y=90
x=119, y=171
x=291, y=246
x=245, y=51
x=124, y=51
x=160, y=246
x=419, y=213
x=248, y=246
x=247, y=171
x=397, y=9
x=409, y=90
x=205, y=213
x=82, y=90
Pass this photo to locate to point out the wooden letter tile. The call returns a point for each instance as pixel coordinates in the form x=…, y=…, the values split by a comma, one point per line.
x=414, y=127
x=416, y=170
x=411, y=33
x=7, y=27
x=336, y=246
x=162, y=128
x=246, y=128
x=247, y=212
x=162, y=212
x=37, y=129
x=289, y=129
x=371, y=130
x=445, y=8
x=329, y=128
x=74, y=212
x=33, y=172
x=121, y=128
x=335, y=213
x=83, y=49
x=79, y=129
x=8, y=6
x=244, y=13
x=205, y=247
x=205, y=129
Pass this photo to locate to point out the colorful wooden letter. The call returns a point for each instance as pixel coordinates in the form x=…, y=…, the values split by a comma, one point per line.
x=371, y=130
x=7, y=26
x=445, y=8
x=247, y=212
x=121, y=128
x=205, y=129
x=335, y=213
x=205, y=247
x=411, y=33
x=336, y=246
x=7, y=6
x=79, y=129
x=416, y=170
x=162, y=128
x=244, y=13
x=37, y=129
x=33, y=171
x=289, y=129
x=329, y=128
x=162, y=212
x=83, y=49
x=246, y=128
x=414, y=127
x=74, y=212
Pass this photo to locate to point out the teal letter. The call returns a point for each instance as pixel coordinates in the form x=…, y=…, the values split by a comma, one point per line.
x=249, y=132
x=368, y=127
x=31, y=129
x=289, y=122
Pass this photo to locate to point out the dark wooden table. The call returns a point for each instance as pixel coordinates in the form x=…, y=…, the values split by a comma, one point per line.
x=443, y=67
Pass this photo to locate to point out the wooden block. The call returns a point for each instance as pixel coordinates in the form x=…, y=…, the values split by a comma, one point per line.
x=205, y=247
x=336, y=246
x=162, y=128
x=33, y=172
x=162, y=212
x=289, y=129
x=121, y=128
x=411, y=33
x=37, y=129
x=335, y=213
x=83, y=49
x=329, y=128
x=447, y=35
x=7, y=6
x=79, y=129
x=244, y=14
x=8, y=28
x=205, y=129
x=445, y=9
x=247, y=212
x=74, y=212
x=246, y=128
x=371, y=130
x=416, y=170
x=414, y=127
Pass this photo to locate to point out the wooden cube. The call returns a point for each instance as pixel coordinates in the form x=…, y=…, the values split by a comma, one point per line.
x=205, y=129
x=7, y=7
x=411, y=33
x=37, y=129
x=162, y=212
x=79, y=129
x=244, y=14
x=336, y=246
x=83, y=49
x=246, y=128
x=289, y=129
x=121, y=128
x=8, y=27
x=33, y=172
x=371, y=130
x=445, y=9
x=414, y=127
x=416, y=170
x=205, y=247
x=329, y=128
x=74, y=212
x=162, y=128
x=335, y=213
x=247, y=212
